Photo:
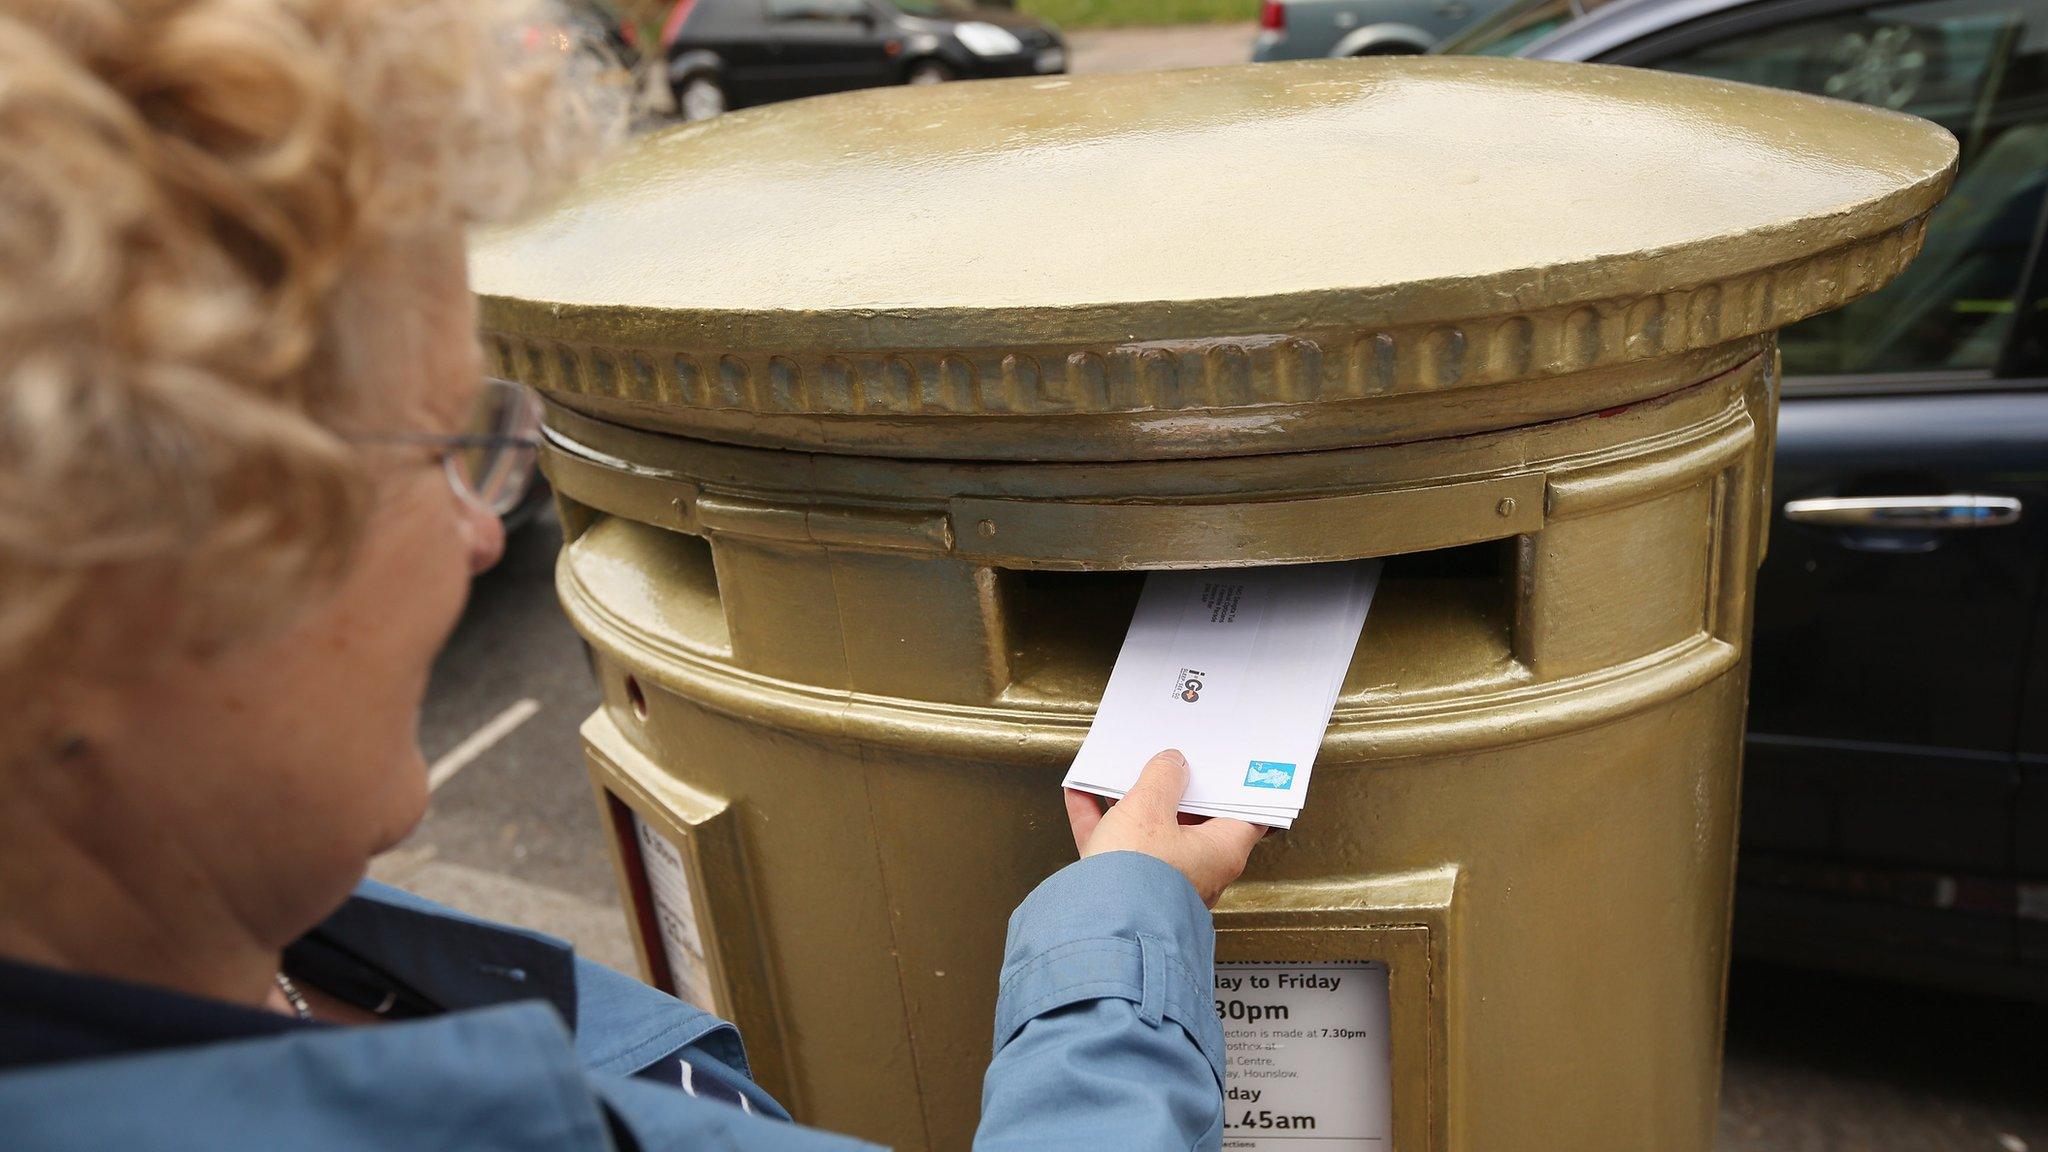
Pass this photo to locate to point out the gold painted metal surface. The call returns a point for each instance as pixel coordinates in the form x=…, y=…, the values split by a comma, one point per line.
x=868, y=414
x=888, y=726
x=964, y=272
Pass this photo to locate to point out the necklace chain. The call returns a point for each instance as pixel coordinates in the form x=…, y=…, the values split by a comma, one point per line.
x=294, y=997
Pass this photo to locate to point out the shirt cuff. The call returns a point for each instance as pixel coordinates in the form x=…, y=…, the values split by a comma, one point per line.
x=1121, y=924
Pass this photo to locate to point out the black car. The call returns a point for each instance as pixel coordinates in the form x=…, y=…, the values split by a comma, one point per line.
x=732, y=53
x=1895, y=799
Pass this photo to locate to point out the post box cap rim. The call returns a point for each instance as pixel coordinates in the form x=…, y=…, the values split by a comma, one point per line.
x=710, y=257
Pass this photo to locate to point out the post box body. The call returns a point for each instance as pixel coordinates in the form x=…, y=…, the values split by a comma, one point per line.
x=856, y=573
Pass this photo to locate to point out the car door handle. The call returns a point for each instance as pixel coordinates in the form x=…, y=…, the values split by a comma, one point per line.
x=1907, y=513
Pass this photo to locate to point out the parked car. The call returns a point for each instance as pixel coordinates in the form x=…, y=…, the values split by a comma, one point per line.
x=1895, y=807
x=732, y=53
x=1304, y=29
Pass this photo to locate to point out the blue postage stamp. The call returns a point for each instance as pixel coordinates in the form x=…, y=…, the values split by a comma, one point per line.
x=1269, y=774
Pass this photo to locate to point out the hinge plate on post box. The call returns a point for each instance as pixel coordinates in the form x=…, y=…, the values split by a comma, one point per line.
x=840, y=525
x=1384, y=522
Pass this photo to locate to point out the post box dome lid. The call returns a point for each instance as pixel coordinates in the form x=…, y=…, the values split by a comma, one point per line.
x=1253, y=235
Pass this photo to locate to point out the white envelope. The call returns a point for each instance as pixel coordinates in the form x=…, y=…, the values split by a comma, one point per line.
x=1238, y=668
x=1270, y=817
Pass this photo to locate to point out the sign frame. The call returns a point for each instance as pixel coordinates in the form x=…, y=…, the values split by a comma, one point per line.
x=705, y=832
x=1400, y=920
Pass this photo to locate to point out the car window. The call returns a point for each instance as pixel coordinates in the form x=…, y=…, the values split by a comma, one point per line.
x=1514, y=27
x=816, y=9
x=715, y=18
x=1976, y=68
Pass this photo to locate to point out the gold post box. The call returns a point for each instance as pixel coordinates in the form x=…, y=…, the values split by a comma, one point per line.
x=869, y=413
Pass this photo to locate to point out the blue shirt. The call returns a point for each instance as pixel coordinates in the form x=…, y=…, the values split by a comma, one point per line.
x=1104, y=1037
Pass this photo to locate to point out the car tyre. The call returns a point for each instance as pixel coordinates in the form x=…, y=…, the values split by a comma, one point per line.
x=928, y=72
x=700, y=97
x=1387, y=50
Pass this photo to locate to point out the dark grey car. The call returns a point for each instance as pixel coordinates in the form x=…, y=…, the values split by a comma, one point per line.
x=1895, y=802
x=735, y=53
x=1303, y=29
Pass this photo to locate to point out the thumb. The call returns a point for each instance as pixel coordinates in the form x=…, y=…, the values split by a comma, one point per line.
x=1157, y=793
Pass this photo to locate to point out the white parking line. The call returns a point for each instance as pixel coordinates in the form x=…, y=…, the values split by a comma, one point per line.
x=480, y=741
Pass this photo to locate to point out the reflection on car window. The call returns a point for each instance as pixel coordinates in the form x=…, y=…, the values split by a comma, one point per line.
x=1975, y=68
x=1513, y=28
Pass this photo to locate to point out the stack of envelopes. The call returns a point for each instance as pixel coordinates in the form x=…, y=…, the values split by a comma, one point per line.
x=1238, y=668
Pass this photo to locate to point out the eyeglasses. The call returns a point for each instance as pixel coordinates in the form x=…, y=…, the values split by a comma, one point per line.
x=491, y=461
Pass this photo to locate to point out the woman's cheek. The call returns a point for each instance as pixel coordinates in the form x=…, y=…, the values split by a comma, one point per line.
x=430, y=567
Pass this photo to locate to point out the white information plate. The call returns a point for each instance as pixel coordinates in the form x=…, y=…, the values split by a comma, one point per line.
x=675, y=915
x=1310, y=1064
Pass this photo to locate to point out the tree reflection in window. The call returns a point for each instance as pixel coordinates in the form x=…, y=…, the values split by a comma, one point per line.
x=1976, y=69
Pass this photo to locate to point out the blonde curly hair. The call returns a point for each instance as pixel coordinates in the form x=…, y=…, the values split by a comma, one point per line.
x=201, y=205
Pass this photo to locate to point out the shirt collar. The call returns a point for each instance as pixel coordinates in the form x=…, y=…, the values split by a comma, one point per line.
x=382, y=936
x=453, y=960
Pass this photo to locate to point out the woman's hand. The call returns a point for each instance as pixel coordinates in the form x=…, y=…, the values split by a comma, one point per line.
x=1209, y=852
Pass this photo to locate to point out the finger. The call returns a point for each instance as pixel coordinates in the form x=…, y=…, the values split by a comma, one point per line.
x=1237, y=837
x=1155, y=797
x=1084, y=812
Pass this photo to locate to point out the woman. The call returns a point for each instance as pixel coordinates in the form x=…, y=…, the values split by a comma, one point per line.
x=242, y=493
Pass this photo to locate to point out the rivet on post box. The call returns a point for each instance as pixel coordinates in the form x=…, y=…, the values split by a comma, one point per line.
x=868, y=414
